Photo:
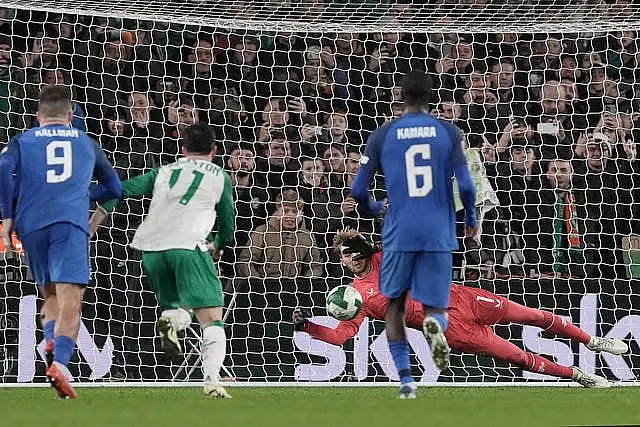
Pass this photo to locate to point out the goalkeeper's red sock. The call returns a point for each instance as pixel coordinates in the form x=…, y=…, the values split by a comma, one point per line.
x=509, y=352
x=550, y=322
x=542, y=365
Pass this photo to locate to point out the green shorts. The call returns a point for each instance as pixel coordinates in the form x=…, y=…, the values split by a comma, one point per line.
x=183, y=277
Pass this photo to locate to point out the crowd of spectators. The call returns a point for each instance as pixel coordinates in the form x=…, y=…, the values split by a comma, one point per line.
x=553, y=117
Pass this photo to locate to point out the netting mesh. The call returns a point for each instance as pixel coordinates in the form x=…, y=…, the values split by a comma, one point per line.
x=544, y=92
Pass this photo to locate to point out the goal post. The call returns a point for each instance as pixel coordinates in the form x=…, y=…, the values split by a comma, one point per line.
x=546, y=94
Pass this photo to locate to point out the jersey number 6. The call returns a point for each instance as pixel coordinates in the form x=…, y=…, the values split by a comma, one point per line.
x=414, y=171
x=59, y=154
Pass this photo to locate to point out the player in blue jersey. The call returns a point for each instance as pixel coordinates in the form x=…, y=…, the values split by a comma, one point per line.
x=419, y=156
x=45, y=189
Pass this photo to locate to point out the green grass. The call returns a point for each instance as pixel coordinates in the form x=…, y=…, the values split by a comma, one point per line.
x=326, y=407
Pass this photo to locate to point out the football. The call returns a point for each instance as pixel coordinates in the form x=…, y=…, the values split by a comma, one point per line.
x=344, y=302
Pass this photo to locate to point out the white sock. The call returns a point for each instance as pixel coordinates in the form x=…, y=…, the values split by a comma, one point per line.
x=180, y=318
x=214, y=350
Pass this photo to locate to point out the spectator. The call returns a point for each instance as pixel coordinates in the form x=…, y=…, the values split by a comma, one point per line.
x=276, y=169
x=63, y=77
x=283, y=247
x=317, y=81
x=322, y=201
x=181, y=114
x=110, y=71
x=250, y=202
x=10, y=94
x=202, y=73
x=245, y=74
x=517, y=188
x=334, y=158
x=608, y=203
x=561, y=233
x=277, y=117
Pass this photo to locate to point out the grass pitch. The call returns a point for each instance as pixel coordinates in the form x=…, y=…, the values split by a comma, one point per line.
x=326, y=407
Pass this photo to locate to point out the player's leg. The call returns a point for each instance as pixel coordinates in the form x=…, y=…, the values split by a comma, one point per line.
x=200, y=289
x=69, y=270
x=163, y=282
x=48, y=315
x=36, y=246
x=502, y=349
x=517, y=313
x=431, y=285
x=395, y=281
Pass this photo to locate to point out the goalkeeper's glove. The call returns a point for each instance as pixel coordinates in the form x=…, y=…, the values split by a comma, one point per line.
x=300, y=319
x=359, y=246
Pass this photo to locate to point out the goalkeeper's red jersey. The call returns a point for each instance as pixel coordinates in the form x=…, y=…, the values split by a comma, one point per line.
x=464, y=311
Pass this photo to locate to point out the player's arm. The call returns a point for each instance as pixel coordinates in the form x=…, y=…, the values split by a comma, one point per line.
x=345, y=330
x=466, y=186
x=225, y=216
x=369, y=165
x=139, y=186
x=109, y=185
x=8, y=164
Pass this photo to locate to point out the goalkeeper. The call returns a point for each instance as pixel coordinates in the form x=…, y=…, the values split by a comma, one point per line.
x=187, y=197
x=472, y=313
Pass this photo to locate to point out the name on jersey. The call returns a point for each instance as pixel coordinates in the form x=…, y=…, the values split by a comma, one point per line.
x=416, y=132
x=66, y=133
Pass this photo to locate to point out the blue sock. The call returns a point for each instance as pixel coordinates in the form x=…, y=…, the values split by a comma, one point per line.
x=48, y=328
x=64, y=347
x=442, y=319
x=400, y=353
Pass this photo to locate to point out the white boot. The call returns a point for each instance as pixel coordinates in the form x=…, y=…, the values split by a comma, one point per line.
x=589, y=380
x=608, y=345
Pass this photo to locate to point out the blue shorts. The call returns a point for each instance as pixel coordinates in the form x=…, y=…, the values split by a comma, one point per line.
x=58, y=253
x=426, y=274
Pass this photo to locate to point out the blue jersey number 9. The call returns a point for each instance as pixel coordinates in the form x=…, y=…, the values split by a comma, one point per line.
x=59, y=154
x=414, y=171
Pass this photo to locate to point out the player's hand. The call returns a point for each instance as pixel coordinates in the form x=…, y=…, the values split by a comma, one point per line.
x=98, y=218
x=300, y=319
x=7, y=230
x=360, y=247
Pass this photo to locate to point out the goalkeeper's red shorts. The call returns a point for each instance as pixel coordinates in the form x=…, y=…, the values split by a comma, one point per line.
x=472, y=313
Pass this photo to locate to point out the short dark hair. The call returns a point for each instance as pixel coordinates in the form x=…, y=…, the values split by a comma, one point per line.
x=416, y=88
x=199, y=139
x=55, y=101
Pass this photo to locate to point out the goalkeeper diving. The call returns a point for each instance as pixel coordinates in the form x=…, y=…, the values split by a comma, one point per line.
x=472, y=313
x=187, y=198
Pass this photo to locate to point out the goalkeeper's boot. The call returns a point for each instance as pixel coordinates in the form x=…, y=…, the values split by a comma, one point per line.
x=589, y=380
x=48, y=353
x=608, y=345
x=408, y=391
x=216, y=391
x=58, y=380
x=437, y=341
x=169, y=342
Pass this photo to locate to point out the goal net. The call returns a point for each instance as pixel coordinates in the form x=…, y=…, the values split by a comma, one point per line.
x=546, y=93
